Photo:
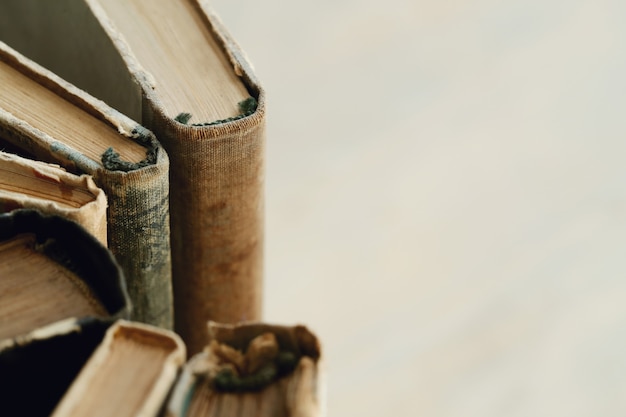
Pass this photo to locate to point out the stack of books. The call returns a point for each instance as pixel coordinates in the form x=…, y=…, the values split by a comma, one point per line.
x=132, y=138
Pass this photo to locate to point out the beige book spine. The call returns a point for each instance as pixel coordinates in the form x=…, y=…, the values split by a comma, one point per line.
x=91, y=215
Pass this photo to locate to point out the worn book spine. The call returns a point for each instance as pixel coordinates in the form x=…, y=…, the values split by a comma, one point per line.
x=217, y=200
x=217, y=220
x=91, y=215
x=138, y=214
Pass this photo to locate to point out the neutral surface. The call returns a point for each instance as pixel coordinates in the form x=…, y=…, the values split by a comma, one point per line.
x=446, y=199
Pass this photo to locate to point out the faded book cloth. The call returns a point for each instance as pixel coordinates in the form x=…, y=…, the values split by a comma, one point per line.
x=91, y=215
x=138, y=194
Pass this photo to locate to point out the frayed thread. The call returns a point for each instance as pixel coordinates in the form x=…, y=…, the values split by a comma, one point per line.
x=246, y=107
x=111, y=160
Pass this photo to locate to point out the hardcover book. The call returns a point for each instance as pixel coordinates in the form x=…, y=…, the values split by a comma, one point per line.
x=252, y=369
x=37, y=373
x=129, y=374
x=52, y=190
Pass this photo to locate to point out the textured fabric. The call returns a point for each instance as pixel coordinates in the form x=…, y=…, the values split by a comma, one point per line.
x=217, y=217
x=217, y=223
x=138, y=212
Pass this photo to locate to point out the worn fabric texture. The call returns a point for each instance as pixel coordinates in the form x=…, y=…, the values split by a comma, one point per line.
x=216, y=207
x=138, y=212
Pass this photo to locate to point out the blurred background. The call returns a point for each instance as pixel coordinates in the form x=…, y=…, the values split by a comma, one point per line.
x=446, y=199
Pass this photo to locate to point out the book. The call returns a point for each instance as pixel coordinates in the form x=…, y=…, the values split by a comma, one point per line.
x=129, y=374
x=37, y=373
x=172, y=65
x=50, y=189
x=53, y=271
x=54, y=121
x=252, y=369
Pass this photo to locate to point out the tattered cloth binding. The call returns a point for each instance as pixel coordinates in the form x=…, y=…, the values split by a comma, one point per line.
x=252, y=370
x=52, y=190
x=84, y=135
x=171, y=64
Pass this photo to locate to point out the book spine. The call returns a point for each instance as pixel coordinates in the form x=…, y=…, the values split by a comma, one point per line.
x=216, y=209
x=69, y=243
x=216, y=205
x=139, y=237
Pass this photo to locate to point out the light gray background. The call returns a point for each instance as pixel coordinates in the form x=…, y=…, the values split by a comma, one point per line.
x=446, y=199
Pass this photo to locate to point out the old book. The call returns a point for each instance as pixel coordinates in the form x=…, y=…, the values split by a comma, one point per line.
x=56, y=122
x=171, y=64
x=129, y=374
x=36, y=373
x=53, y=271
x=60, y=288
x=252, y=370
x=25, y=183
